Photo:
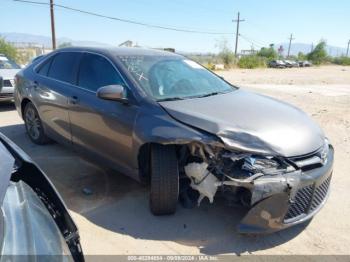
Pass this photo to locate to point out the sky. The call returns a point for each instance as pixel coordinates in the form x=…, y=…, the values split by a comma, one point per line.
x=267, y=21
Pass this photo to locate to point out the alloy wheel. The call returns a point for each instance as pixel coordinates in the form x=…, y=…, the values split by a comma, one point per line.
x=32, y=121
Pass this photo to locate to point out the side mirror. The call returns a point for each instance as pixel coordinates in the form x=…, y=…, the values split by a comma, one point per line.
x=112, y=92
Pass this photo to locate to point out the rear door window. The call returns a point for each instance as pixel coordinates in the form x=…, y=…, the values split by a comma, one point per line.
x=63, y=67
x=96, y=71
x=44, y=68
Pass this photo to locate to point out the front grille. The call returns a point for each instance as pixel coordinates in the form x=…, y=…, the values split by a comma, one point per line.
x=301, y=202
x=320, y=193
x=307, y=199
x=7, y=83
x=6, y=95
x=312, y=160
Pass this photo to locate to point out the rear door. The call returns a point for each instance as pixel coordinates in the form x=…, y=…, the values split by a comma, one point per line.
x=53, y=87
x=101, y=128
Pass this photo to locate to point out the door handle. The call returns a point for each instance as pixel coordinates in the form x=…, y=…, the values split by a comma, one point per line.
x=74, y=100
x=35, y=85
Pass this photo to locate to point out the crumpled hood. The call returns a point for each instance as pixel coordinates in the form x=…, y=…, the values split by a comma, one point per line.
x=8, y=73
x=251, y=122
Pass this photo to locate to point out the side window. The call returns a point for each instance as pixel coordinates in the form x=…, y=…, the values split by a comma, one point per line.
x=96, y=71
x=44, y=68
x=63, y=66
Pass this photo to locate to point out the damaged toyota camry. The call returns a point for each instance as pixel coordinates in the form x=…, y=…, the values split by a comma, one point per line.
x=167, y=121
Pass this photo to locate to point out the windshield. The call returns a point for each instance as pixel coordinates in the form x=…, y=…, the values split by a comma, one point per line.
x=172, y=78
x=7, y=64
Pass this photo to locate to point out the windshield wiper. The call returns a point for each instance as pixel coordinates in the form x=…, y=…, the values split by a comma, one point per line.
x=170, y=99
x=210, y=94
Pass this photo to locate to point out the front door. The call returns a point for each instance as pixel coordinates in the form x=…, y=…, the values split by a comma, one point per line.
x=101, y=128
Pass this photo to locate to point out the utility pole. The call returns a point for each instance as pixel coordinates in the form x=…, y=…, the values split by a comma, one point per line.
x=53, y=34
x=237, y=31
x=290, y=43
x=347, y=50
x=312, y=47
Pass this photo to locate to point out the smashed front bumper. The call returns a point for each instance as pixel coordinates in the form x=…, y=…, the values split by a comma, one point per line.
x=288, y=201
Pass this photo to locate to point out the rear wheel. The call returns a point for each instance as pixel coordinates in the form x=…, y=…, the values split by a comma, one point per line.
x=34, y=126
x=164, y=180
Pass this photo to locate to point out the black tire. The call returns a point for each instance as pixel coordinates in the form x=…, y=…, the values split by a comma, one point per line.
x=34, y=126
x=164, y=180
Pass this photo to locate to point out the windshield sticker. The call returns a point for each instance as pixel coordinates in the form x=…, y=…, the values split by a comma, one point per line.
x=193, y=64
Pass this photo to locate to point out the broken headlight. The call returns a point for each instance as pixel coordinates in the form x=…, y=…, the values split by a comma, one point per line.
x=258, y=164
x=243, y=165
x=324, y=151
x=265, y=165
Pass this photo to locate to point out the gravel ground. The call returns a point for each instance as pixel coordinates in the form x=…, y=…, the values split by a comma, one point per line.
x=115, y=218
x=323, y=75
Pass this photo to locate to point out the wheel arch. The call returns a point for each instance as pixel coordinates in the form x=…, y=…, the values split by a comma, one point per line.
x=24, y=102
x=144, y=157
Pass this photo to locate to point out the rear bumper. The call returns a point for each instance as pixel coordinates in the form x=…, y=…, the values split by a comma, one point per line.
x=296, y=204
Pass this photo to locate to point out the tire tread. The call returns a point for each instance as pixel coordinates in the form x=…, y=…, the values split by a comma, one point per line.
x=164, y=180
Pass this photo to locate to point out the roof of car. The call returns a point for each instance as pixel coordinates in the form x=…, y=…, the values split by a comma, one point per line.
x=122, y=51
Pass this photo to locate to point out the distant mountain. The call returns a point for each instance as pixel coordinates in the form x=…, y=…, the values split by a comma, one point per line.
x=45, y=40
x=306, y=48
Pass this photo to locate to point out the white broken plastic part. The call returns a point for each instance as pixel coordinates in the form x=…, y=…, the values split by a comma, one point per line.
x=202, y=180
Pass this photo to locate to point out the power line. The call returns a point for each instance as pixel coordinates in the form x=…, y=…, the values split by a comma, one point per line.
x=248, y=41
x=126, y=20
x=252, y=41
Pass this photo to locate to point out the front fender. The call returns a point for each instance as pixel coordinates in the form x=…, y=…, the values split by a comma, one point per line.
x=154, y=125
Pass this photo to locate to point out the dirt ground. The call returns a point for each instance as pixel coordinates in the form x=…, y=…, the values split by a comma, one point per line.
x=115, y=219
x=317, y=75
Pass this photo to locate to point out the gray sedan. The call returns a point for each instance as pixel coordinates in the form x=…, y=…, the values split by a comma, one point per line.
x=165, y=120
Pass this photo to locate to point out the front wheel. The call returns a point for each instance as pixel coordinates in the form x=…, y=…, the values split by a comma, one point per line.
x=34, y=126
x=164, y=180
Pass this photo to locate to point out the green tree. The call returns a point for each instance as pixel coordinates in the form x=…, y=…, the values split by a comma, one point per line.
x=269, y=52
x=301, y=56
x=343, y=60
x=8, y=50
x=252, y=61
x=319, y=54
